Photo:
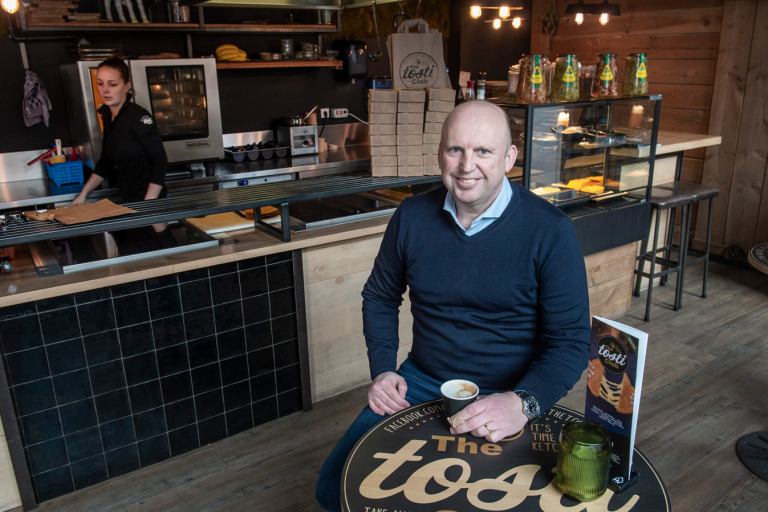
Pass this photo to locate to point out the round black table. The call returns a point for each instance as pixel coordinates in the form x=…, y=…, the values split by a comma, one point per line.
x=411, y=462
x=752, y=449
x=758, y=257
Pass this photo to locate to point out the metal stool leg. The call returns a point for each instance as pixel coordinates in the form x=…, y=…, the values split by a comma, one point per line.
x=653, y=266
x=685, y=228
x=669, y=241
x=643, y=250
x=706, y=249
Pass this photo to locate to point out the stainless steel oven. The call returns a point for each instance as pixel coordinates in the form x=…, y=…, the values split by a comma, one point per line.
x=181, y=94
x=183, y=97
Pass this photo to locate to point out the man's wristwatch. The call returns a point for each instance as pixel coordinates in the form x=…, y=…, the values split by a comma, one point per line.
x=530, y=405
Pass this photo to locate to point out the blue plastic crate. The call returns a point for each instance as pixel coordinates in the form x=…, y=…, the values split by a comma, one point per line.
x=66, y=189
x=65, y=173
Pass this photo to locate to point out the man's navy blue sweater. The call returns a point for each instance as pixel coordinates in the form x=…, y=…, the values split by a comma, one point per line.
x=506, y=308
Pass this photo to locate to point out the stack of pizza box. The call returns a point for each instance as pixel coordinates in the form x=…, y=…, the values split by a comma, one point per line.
x=382, y=130
x=410, y=128
x=440, y=102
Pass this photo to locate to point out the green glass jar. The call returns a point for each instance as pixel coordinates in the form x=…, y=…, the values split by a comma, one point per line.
x=635, y=76
x=565, y=82
x=583, y=460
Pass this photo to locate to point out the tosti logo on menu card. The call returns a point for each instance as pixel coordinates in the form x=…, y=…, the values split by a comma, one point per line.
x=411, y=460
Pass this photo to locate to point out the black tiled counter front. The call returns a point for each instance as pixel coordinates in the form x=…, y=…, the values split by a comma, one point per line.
x=111, y=380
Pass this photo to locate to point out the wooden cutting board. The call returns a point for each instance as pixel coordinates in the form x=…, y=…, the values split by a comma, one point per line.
x=222, y=222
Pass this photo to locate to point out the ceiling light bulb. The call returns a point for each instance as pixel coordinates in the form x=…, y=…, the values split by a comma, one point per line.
x=516, y=22
x=474, y=11
x=504, y=12
x=579, y=19
x=604, y=18
x=497, y=23
x=11, y=6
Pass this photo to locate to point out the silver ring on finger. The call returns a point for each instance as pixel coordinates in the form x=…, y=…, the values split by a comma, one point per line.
x=488, y=428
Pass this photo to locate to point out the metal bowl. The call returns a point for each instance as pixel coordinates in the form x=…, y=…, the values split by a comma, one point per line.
x=270, y=56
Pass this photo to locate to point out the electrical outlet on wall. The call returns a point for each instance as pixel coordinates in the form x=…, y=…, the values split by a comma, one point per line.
x=338, y=113
x=325, y=113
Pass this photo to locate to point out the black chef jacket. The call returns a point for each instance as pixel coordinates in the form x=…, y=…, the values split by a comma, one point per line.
x=132, y=145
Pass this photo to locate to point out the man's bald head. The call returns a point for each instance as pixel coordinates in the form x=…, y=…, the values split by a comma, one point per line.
x=485, y=111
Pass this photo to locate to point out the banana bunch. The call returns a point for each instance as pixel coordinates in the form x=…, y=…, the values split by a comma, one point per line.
x=230, y=53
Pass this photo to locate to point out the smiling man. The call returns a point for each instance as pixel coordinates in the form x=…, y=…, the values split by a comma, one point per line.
x=498, y=294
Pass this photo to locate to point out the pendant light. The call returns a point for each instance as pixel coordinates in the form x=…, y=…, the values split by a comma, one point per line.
x=605, y=10
x=10, y=6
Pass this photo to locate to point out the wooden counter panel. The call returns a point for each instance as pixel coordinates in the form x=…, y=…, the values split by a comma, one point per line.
x=9, y=492
x=348, y=377
x=672, y=142
x=340, y=259
x=611, y=264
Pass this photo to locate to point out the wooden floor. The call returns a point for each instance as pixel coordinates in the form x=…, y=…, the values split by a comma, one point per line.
x=706, y=385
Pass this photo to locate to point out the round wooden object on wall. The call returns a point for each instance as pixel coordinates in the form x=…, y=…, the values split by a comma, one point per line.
x=410, y=461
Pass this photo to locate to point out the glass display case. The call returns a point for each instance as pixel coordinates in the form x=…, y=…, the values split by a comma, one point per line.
x=588, y=157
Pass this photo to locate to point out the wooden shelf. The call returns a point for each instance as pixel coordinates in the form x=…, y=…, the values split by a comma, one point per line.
x=213, y=28
x=63, y=26
x=335, y=64
x=293, y=28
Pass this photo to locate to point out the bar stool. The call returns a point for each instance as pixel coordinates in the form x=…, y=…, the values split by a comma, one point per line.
x=664, y=199
x=699, y=192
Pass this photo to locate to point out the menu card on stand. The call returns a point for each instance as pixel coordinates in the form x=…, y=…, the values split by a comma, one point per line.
x=616, y=363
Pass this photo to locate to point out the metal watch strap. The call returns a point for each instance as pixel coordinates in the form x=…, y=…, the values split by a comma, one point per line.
x=530, y=405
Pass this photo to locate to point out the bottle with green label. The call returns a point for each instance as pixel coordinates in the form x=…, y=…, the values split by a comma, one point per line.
x=636, y=76
x=605, y=84
x=565, y=82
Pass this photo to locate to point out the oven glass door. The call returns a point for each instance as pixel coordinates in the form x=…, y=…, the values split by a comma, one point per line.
x=178, y=98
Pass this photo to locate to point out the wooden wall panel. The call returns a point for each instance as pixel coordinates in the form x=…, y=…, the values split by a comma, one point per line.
x=660, y=21
x=659, y=47
x=685, y=96
x=726, y=112
x=752, y=149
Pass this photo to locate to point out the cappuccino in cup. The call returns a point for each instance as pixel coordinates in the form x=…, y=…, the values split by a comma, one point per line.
x=457, y=394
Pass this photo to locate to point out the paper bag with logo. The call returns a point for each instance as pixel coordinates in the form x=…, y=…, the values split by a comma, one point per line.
x=417, y=59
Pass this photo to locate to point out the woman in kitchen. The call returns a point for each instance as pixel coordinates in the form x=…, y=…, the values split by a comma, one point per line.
x=132, y=145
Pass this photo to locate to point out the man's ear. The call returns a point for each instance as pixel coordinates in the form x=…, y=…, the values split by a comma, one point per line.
x=511, y=156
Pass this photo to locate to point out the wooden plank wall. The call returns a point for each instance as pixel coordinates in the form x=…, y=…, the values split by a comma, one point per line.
x=334, y=277
x=739, y=166
x=681, y=38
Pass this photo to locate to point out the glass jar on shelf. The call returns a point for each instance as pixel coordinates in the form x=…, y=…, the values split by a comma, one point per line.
x=605, y=84
x=531, y=87
x=565, y=81
x=512, y=78
x=635, y=76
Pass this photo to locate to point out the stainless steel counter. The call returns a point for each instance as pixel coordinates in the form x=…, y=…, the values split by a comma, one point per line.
x=223, y=174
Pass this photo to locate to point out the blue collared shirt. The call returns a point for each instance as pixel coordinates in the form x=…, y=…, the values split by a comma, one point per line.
x=488, y=216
